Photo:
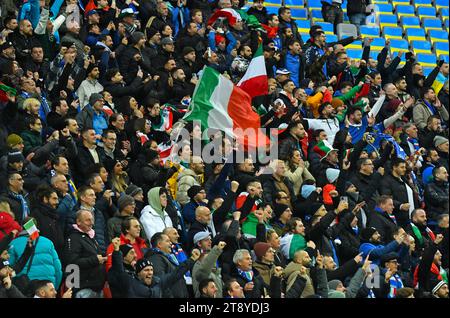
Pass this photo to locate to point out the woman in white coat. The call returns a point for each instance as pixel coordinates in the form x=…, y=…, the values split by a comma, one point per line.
x=154, y=218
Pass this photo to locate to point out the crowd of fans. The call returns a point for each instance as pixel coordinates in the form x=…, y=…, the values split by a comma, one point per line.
x=356, y=206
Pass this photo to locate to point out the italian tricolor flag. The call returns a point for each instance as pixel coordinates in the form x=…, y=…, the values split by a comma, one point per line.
x=291, y=243
x=230, y=14
x=254, y=81
x=218, y=104
x=31, y=229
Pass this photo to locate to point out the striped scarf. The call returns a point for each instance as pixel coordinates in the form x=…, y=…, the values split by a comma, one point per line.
x=247, y=275
x=392, y=216
x=23, y=202
x=395, y=283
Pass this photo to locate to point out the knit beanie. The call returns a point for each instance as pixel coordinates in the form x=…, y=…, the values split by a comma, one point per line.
x=125, y=249
x=261, y=249
x=193, y=191
x=219, y=38
x=136, y=37
x=141, y=264
x=436, y=284
x=16, y=156
x=124, y=201
x=90, y=67
x=94, y=98
x=133, y=189
x=332, y=174
x=439, y=140
x=367, y=233
x=333, y=284
x=13, y=140
x=307, y=189
x=278, y=209
x=187, y=50
x=151, y=32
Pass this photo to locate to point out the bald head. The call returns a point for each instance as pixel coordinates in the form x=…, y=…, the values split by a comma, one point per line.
x=197, y=165
x=203, y=215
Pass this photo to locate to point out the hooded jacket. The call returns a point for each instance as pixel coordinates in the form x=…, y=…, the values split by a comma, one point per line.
x=154, y=217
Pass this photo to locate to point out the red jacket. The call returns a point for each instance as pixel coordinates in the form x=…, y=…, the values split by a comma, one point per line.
x=138, y=245
x=7, y=224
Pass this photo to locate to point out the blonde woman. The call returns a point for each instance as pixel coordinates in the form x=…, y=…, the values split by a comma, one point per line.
x=297, y=170
x=119, y=178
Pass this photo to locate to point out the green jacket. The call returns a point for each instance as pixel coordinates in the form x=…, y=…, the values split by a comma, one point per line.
x=31, y=139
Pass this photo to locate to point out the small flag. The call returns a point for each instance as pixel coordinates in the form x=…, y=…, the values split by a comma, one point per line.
x=31, y=229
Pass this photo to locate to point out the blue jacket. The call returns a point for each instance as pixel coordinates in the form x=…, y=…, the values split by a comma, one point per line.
x=189, y=211
x=376, y=251
x=293, y=66
x=46, y=264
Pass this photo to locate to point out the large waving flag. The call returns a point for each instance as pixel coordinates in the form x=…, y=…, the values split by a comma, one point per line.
x=230, y=14
x=217, y=103
x=254, y=81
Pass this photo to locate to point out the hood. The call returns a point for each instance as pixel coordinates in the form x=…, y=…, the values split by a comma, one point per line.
x=153, y=200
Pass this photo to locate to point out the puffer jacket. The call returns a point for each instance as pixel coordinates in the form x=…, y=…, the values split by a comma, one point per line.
x=186, y=179
x=45, y=265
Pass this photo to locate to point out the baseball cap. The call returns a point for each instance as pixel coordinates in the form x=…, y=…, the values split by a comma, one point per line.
x=283, y=71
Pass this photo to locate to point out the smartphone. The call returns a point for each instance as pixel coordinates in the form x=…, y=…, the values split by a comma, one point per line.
x=209, y=52
x=344, y=198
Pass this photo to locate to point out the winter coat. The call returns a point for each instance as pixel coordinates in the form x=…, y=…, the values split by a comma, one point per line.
x=7, y=224
x=384, y=225
x=436, y=199
x=81, y=250
x=31, y=139
x=139, y=247
x=186, y=179
x=376, y=251
x=45, y=265
x=350, y=241
x=15, y=204
x=85, y=160
x=188, y=211
x=162, y=265
x=135, y=288
x=395, y=187
x=271, y=186
x=421, y=112
x=260, y=289
x=152, y=222
x=207, y=268
x=47, y=221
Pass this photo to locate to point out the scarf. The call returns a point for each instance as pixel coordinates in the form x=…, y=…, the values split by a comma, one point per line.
x=172, y=258
x=395, y=283
x=414, y=142
x=418, y=233
x=272, y=32
x=23, y=202
x=91, y=233
x=247, y=275
x=430, y=107
x=143, y=138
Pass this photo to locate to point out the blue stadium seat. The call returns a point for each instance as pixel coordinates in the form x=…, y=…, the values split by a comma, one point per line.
x=431, y=24
x=415, y=34
x=427, y=71
x=421, y=47
x=374, y=54
x=397, y=2
x=438, y=36
x=355, y=54
x=446, y=23
x=272, y=10
x=443, y=12
x=316, y=4
x=383, y=8
x=303, y=26
x=354, y=45
x=405, y=11
x=441, y=4
x=393, y=33
x=399, y=45
x=441, y=48
x=299, y=13
x=369, y=31
x=388, y=20
x=316, y=15
x=380, y=1
x=429, y=12
x=410, y=22
x=293, y=3
x=422, y=3
x=444, y=57
x=326, y=27
x=331, y=38
x=426, y=60
x=305, y=37
x=377, y=44
x=273, y=3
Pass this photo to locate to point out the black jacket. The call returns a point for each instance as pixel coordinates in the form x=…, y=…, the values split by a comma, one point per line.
x=47, y=222
x=390, y=185
x=350, y=241
x=163, y=266
x=436, y=199
x=118, y=90
x=357, y=6
x=384, y=224
x=81, y=250
x=15, y=204
x=259, y=288
x=85, y=161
